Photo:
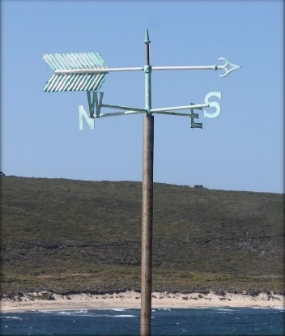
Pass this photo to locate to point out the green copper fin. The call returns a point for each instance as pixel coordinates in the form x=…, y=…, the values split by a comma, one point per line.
x=73, y=81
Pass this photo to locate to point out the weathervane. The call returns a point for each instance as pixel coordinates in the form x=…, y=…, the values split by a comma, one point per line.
x=87, y=72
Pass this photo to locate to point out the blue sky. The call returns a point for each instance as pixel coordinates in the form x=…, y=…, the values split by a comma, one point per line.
x=242, y=149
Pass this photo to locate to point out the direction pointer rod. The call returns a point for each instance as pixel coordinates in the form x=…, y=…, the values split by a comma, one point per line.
x=104, y=70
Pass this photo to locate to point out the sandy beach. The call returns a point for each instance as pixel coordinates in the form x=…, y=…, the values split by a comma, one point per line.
x=48, y=301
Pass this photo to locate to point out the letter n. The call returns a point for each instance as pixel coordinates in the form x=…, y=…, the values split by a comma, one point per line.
x=84, y=115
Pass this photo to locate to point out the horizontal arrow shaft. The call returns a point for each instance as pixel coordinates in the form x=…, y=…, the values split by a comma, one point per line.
x=106, y=70
x=62, y=64
x=90, y=71
x=187, y=67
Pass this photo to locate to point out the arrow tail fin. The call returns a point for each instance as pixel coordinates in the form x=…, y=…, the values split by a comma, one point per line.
x=75, y=82
x=71, y=61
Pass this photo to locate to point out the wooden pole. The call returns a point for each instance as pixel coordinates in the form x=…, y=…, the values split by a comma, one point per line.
x=147, y=206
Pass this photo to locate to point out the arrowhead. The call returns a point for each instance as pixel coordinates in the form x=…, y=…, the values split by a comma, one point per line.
x=146, y=40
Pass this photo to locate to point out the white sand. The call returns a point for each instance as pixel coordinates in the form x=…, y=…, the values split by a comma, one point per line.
x=132, y=300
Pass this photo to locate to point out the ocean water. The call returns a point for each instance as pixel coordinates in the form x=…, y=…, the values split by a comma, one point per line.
x=204, y=321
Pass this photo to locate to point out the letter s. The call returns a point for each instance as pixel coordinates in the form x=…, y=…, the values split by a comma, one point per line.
x=216, y=105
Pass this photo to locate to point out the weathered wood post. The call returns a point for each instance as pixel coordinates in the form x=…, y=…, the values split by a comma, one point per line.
x=147, y=203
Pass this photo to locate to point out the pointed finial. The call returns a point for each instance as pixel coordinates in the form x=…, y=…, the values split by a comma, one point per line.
x=146, y=40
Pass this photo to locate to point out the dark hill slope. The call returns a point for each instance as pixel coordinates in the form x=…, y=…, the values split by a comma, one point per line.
x=65, y=235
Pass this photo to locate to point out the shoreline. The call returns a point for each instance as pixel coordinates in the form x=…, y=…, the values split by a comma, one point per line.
x=42, y=301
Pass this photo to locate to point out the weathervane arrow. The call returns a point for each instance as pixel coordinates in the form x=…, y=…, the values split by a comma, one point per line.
x=87, y=71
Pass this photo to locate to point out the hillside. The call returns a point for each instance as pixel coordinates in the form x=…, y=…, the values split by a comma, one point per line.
x=78, y=236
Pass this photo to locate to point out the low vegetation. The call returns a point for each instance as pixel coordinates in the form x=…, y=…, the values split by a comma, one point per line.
x=69, y=236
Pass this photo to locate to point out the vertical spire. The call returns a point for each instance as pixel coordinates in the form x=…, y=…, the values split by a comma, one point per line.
x=146, y=40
